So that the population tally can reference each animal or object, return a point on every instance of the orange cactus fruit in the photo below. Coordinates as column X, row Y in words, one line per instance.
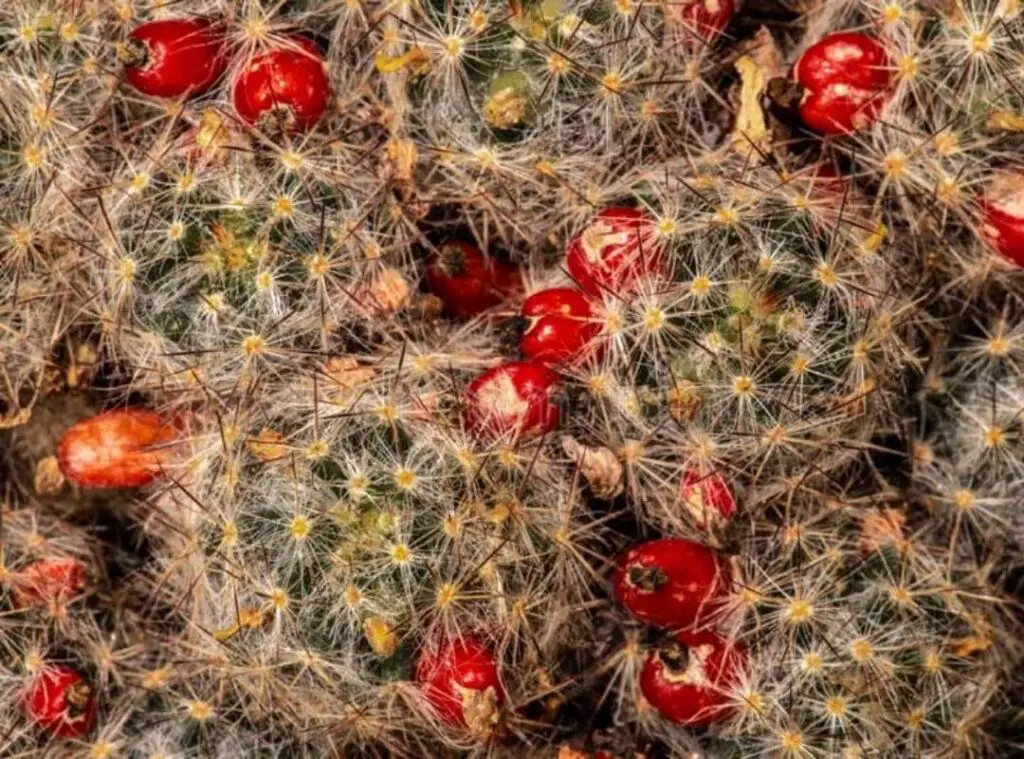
column 122, row 448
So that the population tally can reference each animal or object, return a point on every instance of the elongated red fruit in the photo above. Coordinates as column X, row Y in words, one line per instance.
column 514, row 398
column 561, row 323
column 616, row 250
column 284, row 88
column 672, row 582
column 60, row 701
column 123, row 448
column 175, row 57
column 689, row 680
column 461, row 682
column 845, row 77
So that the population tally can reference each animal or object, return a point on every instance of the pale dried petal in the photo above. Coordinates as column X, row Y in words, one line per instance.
column 381, row 636
column 751, row 136
column 48, row 480
column 600, row 467
column 344, row 375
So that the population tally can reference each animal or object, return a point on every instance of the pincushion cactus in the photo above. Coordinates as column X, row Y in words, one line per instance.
column 360, row 353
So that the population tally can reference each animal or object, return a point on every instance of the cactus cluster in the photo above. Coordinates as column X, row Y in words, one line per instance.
column 556, row 379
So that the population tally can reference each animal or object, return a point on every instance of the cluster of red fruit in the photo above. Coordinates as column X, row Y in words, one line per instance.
column 116, row 449
column 58, row 699
column 562, row 324
column 460, row 678
column 671, row 583
column 680, row 585
column 286, row 87
column 845, row 79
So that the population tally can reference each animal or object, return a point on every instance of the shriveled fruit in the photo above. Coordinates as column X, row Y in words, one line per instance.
column 671, row 582
column 1002, row 216
column 60, row 701
column 512, row 399
column 561, row 323
column 845, row 77
column 122, row 448
column 617, row 249
column 689, row 680
column 460, row 680
column 174, row 57
column 49, row 580
column 707, row 497
column 467, row 281
column 286, row 88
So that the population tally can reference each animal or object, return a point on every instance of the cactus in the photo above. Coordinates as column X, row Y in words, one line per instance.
column 356, row 355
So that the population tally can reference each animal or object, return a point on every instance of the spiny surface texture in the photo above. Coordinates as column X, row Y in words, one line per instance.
column 546, row 378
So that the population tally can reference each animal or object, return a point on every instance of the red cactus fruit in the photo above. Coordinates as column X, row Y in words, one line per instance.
column 514, row 398
column 707, row 496
column 845, row 77
column 284, row 88
column 617, row 249
column 1002, row 216
column 467, row 282
column 49, row 580
column 174, row 57
column 60, row 701
column 561, row 326
column 460, row 680
column 688, row 680
column 671, row 582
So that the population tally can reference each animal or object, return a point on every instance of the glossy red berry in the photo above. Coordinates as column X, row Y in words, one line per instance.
column 671, row 582
column 460, row 680
column 617, row 249
column 701, row 19
column 1002, row 217
column 561, row 325
column 845, row 78
column 284, row 88
column 467, row 281
column 689, row 680
column 49, row 580
column 175, row 57
column 123, row 448
column 707, row 497
column 512, row 399
column 60, row 701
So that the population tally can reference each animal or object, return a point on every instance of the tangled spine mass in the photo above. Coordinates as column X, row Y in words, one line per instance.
column 556, row 379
